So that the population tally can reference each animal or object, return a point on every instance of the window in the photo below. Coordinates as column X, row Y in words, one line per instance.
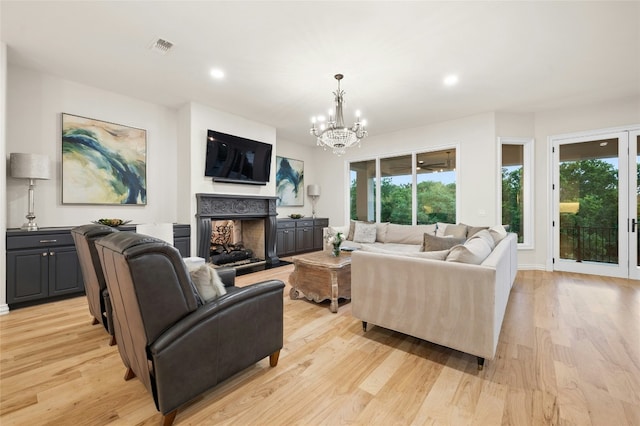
column 436, row 187
column 414, row 188
column 517, row 188
column 362, row 197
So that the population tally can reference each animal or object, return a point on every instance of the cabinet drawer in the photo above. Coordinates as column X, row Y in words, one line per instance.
column 41, row 240
column 181, row 231
column 321, row 222
column 283, row 224
column 304, row 223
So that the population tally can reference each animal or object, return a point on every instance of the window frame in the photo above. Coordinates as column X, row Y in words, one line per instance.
column 527, row 187
column 378, row 178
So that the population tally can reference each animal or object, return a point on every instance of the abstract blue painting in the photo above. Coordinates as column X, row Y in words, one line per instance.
column 289, row 182
column 102, row 162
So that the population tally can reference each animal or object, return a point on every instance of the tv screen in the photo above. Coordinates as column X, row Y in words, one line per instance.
column 237, row 160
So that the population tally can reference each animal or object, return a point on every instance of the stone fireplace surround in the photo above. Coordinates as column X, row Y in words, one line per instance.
column 236, row 207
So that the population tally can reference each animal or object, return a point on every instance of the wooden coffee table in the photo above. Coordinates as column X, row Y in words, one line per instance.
column 320, row 276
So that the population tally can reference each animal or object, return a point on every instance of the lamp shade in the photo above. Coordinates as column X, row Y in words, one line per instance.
column 29, row 166
column 313, row 190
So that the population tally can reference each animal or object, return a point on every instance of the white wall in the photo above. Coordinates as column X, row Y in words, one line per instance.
column 475, row 138
column 312, row 175
column 35, row 102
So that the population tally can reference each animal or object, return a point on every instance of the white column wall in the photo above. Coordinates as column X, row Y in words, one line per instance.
column 4, row 308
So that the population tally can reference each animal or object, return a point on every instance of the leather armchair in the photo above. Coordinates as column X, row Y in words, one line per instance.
column 95, row 286
column 177, row 346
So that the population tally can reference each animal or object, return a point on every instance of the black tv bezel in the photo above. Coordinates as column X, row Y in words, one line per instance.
column 239, row 139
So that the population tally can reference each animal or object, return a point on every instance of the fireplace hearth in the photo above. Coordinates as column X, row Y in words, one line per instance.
column 255, row 212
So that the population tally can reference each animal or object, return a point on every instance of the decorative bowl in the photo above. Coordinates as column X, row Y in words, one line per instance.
column 296, row 216
column 111, row 222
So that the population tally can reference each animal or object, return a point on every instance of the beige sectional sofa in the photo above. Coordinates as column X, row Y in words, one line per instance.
column 454, row 299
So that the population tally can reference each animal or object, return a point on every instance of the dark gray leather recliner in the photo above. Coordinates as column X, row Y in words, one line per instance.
column 95, row 286
column 177, row 346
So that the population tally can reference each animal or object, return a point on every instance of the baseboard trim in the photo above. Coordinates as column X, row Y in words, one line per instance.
column 531, row 267
column 4, row 309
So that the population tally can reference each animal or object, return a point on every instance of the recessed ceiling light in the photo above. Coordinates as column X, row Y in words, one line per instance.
column 450, row 80
column 217, row 73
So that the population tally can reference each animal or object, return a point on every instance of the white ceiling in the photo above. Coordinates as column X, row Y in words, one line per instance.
column 280, row 57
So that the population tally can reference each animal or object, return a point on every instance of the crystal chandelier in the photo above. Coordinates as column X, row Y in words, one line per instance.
column 333, row 134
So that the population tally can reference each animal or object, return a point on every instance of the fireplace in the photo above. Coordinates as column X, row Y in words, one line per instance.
column 256, row 213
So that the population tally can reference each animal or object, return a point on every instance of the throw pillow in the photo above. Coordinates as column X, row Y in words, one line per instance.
column 364, row 233
column 486, row 236
column 433, row 243
column 207, row 282
column 472, row 230
column 474, row 251
column 498, row 233
column 456, row 231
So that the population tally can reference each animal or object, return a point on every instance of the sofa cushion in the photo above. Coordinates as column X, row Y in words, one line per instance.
column 385, row 249
column 352, row 228
column 498, row 233
column 456, row 231
column 433, row 243
column 474, row 251
column 408, row 234
column 364, row 232
column 434, row 255
column 381, row 232
column 207, row 282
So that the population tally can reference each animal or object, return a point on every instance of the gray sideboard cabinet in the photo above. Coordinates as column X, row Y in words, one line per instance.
column 43, row 265
column 295, row 236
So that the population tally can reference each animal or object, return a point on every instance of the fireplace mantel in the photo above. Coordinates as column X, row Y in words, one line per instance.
column 219, row 207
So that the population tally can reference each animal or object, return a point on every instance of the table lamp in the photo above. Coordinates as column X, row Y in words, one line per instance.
column 313, row 191
column 32, row 167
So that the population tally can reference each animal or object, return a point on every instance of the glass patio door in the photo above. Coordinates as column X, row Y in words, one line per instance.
column 592, row 224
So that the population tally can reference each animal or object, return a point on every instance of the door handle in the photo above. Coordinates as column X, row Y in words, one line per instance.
column 633, row 225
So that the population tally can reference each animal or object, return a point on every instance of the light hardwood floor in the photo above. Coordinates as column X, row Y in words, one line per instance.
column 569, row 354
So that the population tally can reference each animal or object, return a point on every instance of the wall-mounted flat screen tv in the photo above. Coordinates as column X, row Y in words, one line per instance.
column 237, row 160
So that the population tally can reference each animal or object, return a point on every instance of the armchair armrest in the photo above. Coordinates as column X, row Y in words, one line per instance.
column 227, row 276
column 208, row 312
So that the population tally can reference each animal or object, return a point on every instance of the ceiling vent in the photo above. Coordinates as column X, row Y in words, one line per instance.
column 161, row 46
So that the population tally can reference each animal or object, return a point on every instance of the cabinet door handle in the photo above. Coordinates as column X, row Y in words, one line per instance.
column 52, row 253
column 48, row 241
column 44, row 254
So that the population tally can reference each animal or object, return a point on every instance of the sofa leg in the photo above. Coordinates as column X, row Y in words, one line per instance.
column 364, row 326
column 129, row 374
column 95, row 321
column 273, row 358
column 480, row 363
column 112, row 340
column 168, row 419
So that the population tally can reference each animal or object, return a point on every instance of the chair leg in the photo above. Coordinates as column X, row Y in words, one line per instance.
column 112, row 340
column 168, row 419
column 95, row 321
column 273, row 358
column 129, row 374
column 480, row 363
column 364, row 326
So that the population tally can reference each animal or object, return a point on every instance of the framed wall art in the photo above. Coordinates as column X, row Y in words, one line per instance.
column 289, row 182
column 103, row 162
